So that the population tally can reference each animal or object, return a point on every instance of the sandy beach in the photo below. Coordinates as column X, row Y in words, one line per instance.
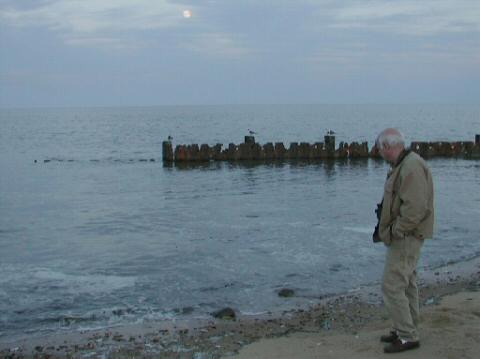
column 344, row 326
column 450, row 330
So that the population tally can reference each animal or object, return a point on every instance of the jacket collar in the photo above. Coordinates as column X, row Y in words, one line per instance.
column 401, row 157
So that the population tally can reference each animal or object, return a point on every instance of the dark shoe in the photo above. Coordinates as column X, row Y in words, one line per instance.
column 389, row 338
column 399, row 345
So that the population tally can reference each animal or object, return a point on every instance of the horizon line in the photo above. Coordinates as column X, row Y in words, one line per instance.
column 105, row 106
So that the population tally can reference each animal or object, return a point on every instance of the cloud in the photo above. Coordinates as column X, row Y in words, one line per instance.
column 426, row 17
column 126, row 24
column 102, row 22
column 236, row 29
column 110, row 42
column 217, row 45
column 358, row 58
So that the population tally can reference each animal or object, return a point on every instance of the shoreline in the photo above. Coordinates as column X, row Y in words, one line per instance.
column 341, row 315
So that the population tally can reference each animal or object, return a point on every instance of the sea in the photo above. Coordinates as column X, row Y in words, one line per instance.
column 96, row 231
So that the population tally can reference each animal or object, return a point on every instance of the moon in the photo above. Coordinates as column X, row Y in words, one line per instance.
column 187, row 14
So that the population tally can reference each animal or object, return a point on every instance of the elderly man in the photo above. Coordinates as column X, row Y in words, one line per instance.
column 406, row 219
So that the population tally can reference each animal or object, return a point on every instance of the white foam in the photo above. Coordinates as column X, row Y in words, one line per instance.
column 297, row 224
column 254, row 313
column 364, row 230
column 95, row 283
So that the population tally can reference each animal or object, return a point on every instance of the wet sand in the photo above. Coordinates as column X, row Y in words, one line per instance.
column 344, row 326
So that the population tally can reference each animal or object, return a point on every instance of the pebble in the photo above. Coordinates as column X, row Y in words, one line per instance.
column 225, row 313
column 430, row 301
column 118, row 338
column 286, row 293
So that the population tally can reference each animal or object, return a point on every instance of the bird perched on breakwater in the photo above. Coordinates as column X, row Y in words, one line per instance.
column 169, row 138
column 330, row 132
column 251, row 132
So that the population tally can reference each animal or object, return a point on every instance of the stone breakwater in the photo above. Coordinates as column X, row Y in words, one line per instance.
column 250, row 150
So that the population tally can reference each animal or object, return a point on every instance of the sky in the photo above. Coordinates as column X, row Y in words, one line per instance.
column 160, row 52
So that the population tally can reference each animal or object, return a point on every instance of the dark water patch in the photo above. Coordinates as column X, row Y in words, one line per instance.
column 216, row 288
column 291, row 275
column 123, row 311
column 114, row 227
column 301, row 276
column 337, row 267
column 12, row 230
column 69, row 320
column 184, row 310
column 455, row 230
column 97, row 160
column 443, row 263
column 207, row 304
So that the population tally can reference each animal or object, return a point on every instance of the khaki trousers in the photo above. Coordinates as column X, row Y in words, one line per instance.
column 399, row 286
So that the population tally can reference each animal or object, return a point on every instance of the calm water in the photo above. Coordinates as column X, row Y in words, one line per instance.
column 100, row 237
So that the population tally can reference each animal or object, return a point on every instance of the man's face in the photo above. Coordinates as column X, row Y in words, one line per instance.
column 385, row 152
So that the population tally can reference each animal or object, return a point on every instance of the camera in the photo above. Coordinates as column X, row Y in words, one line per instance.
column 378, row 212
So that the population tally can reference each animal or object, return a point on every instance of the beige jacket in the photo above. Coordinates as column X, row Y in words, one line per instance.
column 407, row 201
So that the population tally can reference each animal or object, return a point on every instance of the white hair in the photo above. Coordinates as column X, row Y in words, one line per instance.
column 390, row 137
